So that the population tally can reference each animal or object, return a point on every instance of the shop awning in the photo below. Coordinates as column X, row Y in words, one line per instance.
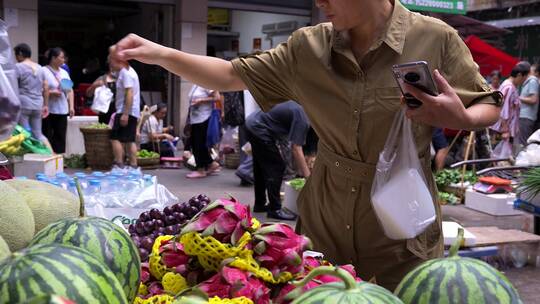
column 516, row 22
column 467, row 26
column 489, row 58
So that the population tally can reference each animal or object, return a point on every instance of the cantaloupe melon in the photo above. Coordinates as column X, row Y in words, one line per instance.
column 48, row 203
column 4, row 249
column 16, row 220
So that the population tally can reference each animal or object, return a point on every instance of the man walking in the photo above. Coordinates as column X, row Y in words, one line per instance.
column 128, row 111
column 529, row 106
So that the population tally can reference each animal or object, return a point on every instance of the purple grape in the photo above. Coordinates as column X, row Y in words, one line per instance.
column 160, row 223
column 149, row 226
column 184, row 207
column 136, row 240
column 147, row 243
column 154, row 236
column 177, row 228
column 167, row 210
column 131, row 229
column 193, row 211
column 143, row 253
column 170, row 220
column 161, row 230
column 194, row 202
column 145, row 216
column 156, row 214
column 181, row 217
column 169, row 230
column 139, row 227
column 137, row 221
column 176, row 208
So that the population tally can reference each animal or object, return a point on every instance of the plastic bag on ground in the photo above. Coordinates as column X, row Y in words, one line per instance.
column 228, row 143
column 400, row 196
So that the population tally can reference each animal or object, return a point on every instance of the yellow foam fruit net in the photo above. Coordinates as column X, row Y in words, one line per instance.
column 241, row 300
column 143, row 289
column 157, row 269
column 159, row 299
column 211, row 253
column 173, row 283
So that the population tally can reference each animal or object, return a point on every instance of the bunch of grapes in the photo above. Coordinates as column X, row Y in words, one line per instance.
column 169, row 221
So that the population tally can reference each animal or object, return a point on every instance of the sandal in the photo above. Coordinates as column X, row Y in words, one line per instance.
column 214, row 170
column 195, row 174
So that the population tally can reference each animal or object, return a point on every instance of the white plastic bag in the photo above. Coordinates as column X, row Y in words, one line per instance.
column 502, row 150
column 102, row 99
column 228, row 140
column 400, row 197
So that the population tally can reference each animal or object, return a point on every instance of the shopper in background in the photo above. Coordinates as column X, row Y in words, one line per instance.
column 495, row 80
column 154, row 137
column 529, row 106
column 201, row 105
column 109, row 80
column 508, row 123
column 440, row 145
column 128, row 100
column 33, row 92
column 60, row 101
column 284, row 122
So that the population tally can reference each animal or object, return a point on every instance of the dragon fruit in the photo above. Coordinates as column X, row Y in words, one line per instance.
column 225, row 220
column 172, row 254
column 231, row 283
column 278, row 248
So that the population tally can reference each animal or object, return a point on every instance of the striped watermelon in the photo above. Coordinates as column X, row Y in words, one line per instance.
column 58, row 269
column 105, row 240
column 49, row 299
column 348, row 292
column 456, row 280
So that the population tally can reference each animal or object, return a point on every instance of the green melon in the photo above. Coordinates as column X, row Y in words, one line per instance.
column 16, row 220
column 456, row 280
column 49, row 299
column 57, row 269
column 108, row 242
column 347, row 292
column 49, row 203
column 4, row 249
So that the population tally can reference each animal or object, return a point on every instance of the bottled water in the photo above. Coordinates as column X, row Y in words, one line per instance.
column 21, row 177
column 110, row 185
column 63, row 179
column 148, row 180
column 90, row 193
column 42, row 178
column 83, row 179
column 41, row 175
column 72, row 187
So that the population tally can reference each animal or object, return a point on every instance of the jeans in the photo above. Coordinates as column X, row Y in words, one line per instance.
column 31, row 119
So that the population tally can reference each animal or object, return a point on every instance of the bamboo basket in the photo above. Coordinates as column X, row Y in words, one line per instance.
column 97, row 143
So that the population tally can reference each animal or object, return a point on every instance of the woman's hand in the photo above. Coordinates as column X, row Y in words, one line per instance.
column 137, row 48
column 71, row 112
column 444, row 111
column 44, row 112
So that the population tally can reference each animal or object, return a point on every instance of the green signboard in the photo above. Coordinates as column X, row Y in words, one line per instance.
column 439, row 6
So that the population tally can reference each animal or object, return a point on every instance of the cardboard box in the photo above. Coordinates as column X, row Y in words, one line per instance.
column 494, row 204
column 450, row 232
column 37, row 163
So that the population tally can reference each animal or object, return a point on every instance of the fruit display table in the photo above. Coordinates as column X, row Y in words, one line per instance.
column 74, row 137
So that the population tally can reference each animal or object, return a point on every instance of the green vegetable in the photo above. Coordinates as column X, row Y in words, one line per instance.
column 97, row 126
column 448, row 198
column 147, row 154
column 453, row 176
column 530, row 186
column 297, row 183
column 75, row 161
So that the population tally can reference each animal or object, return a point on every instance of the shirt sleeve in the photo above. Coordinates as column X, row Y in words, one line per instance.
column 463, row 74
column 270, row 76
column 127, row 80
column 299, row 128
column 531, row 88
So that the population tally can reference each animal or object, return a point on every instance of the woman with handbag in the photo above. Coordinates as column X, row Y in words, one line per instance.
column 60, row 100
column 201, row 106
column 108, row 80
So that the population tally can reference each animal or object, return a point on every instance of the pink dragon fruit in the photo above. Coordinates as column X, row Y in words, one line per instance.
column 231, row 283
column 173, row 255
column 225, row 220
column 145, row 272
column 278, row 248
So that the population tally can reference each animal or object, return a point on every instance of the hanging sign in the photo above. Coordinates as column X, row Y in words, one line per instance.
column 439, row 6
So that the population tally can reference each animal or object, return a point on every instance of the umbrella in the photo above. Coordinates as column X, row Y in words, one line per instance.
column 489, row 58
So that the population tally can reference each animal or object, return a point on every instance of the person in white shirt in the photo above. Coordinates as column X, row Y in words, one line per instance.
column 60, row 100
column 128, row 100
column 154, row 137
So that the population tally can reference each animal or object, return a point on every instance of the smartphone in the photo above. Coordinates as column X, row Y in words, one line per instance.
column 416, row 74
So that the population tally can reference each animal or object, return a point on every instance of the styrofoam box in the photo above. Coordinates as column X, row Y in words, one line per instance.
column 494, row 204
column 290, row 197
column 450, row 232
column 37, row 163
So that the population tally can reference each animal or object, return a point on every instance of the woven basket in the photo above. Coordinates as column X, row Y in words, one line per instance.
column 97, row 143
column 148, row 162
